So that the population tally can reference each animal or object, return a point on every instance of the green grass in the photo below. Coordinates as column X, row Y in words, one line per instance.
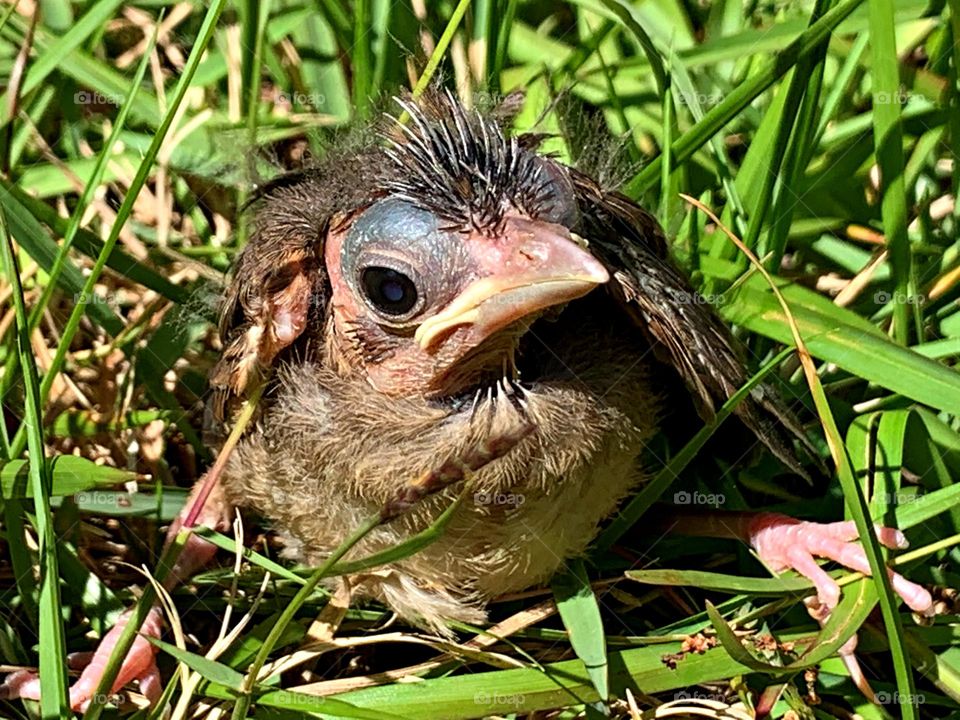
column 826, row 134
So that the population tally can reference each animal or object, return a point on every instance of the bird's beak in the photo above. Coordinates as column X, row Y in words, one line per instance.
column 529, row 267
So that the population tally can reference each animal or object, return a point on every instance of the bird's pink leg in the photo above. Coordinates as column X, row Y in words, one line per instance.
column 216, row 514
column 139, row 663
column 785, row 543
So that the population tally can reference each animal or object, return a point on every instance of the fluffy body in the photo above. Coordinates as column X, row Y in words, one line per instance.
column 331, row 451
column 358, row 408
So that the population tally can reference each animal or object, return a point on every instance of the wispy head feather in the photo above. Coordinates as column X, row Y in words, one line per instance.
column 460, row 165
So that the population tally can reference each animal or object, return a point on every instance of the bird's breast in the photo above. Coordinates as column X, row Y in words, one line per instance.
column 331, row 451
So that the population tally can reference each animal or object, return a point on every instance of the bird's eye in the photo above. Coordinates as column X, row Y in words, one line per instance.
column 389, row 291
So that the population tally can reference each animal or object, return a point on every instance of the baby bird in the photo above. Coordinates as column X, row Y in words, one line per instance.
column 446, row 303
column 437, row 293
column 428, row 296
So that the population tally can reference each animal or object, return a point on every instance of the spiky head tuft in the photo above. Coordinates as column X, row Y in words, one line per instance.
column 461, row 165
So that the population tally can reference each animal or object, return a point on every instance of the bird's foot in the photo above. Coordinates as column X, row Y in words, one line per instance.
column 140, row 664
column 785, row 543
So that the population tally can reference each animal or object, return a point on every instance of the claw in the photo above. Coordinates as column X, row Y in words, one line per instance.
column 846, row 651
column 140, row 664
column 140, row 661
column 20, row 684
column 785, row 543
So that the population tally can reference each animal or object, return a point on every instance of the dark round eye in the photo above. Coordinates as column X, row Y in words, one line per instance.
column 390, row 292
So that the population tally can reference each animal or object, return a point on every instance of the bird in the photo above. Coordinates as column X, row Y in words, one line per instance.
column 442, row 311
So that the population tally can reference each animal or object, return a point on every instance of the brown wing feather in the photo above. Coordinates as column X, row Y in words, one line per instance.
column 685, row 331
column 278, row 285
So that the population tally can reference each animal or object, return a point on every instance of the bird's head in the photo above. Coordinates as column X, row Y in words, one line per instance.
column 469, row 240
column 418, row 262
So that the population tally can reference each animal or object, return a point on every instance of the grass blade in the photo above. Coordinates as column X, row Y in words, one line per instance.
column 839, row 336
column 204, row 36
column 362, row 60
column 580, row 613
column 888, row 141
column 68, row 475
column 53, row 652
column 62, row 258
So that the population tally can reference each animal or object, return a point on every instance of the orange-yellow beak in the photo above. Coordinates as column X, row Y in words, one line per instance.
column 531, row 266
